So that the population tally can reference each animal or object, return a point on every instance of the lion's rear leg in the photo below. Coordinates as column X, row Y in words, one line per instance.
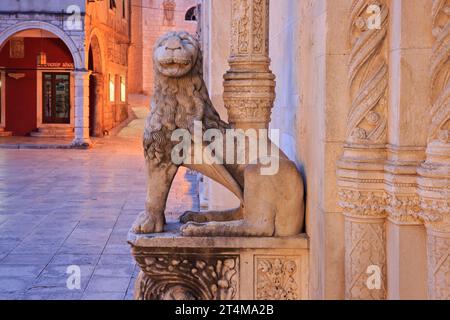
column 239, row 228
column 209, row 216
column 259, row 213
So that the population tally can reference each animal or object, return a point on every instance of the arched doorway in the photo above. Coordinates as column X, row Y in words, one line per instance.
column 37, row 66
column 96, row 89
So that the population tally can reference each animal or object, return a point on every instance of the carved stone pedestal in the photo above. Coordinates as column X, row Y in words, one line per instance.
column 210, row 268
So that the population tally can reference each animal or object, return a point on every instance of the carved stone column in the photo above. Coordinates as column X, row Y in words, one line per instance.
column 434, row 181
column 361, row 169
column 81, row 109
column 249, row 84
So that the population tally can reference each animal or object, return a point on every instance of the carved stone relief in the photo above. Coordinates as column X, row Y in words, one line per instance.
column 365, row 248
column 368, row 76
column 434, row 189
column 187, row 277
column 276, row 278
column 440, row 71
column 360, row 174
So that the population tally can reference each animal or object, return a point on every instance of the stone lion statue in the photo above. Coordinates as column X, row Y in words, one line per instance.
column 270, row 205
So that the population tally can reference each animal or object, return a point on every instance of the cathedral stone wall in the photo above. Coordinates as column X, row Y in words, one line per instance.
column 362, row 108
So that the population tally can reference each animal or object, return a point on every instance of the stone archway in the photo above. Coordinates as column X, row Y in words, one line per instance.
column 25, row 115
column 78, row 56
column 96, row 88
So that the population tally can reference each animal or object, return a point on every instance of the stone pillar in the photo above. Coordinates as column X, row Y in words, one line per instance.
column 215, row 39
column 409, row 79
column 81, row 109
column 361, row 169
column 99, row 102
column 249, row 90
column 434, row 174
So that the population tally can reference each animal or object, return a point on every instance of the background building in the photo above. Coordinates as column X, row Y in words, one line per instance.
column 63, row 67
column 150, row 20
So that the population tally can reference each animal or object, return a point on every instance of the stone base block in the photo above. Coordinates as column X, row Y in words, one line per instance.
column 54, row 132
column 174, row 267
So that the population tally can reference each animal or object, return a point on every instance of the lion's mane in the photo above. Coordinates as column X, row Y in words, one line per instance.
column 176, row 104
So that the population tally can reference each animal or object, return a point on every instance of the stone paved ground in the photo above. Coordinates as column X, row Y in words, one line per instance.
column 72, row 207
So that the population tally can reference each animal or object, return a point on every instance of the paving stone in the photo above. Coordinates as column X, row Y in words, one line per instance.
column 119, row 271
column 71, row 207
column 74, row 259
column 26, row 259
column 108, row 284
column 14, row 284
column 96, row 296
column 116, row 259
column 20, row 270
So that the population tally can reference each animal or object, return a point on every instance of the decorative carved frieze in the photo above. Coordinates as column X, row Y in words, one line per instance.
column 276, row 278
column 365, row 251
column 434, row 210
column 363, row 204
column 187, row 277
column 404, row 208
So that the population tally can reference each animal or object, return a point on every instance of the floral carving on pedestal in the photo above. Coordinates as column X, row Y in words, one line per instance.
column 187, row 277
column 276, row 279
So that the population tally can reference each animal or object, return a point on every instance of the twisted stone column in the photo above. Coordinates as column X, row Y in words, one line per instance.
column 434, row 181
column 249, row 84
column 361, row 169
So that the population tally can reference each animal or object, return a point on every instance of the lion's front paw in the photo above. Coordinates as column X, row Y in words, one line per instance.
column 147, row 224
column 191, row 216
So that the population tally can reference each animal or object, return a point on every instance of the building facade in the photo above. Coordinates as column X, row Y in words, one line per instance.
column 70, row 57
column 151, row 19
column 362, row 107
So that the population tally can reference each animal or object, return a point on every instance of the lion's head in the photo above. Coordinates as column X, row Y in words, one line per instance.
column 176, row 54
column 180, row 95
